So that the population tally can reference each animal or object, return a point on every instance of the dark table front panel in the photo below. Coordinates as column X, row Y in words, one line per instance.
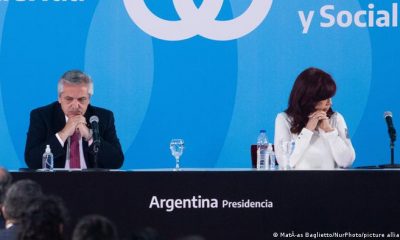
column 353, row 201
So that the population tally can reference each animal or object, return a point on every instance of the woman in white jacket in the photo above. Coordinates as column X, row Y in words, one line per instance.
column 320, row 135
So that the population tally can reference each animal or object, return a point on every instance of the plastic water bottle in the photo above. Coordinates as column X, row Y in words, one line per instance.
column 48, row 159
column 262, row 155
column 271, row 157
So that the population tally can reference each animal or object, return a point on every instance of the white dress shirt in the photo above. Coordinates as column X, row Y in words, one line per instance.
column 316, row 149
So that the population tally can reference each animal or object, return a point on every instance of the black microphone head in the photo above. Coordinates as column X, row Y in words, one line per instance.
column 388, row 117
column 94, row 118
column 387, row 114
column 392, row 131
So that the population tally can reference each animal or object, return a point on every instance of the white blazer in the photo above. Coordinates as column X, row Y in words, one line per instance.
column 315, row 149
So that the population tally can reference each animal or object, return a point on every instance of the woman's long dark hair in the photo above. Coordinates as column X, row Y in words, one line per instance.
column 311, row 86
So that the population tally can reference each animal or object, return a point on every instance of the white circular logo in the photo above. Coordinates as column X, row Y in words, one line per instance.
column 198, row 21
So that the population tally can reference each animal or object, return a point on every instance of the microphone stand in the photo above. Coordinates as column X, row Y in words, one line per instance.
column 392, row 164
column 95, row 150
column 94, row 121
column 95, row 162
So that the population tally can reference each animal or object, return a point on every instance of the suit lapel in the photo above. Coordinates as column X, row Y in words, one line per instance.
column 59, row 117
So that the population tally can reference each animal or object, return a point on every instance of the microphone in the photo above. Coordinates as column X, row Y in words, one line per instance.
column 94, row 122
column 389, row 121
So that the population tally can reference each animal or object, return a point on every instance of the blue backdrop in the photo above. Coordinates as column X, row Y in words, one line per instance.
column 215, row 94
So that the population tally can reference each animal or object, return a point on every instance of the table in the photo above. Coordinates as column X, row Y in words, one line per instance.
column 222, row 204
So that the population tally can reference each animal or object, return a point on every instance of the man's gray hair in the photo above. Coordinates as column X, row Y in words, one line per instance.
column 18, row 197
column 5, row 183
column 75, row 77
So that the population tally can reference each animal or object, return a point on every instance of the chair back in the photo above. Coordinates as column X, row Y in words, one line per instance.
column 253, row 154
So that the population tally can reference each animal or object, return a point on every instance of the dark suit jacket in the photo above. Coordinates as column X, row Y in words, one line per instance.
column 10, row 233
column 46, row 121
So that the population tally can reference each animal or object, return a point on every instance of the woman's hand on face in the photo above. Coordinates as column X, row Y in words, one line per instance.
column 316, row 118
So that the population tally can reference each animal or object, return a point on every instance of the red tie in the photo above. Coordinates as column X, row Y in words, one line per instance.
column 75, row 161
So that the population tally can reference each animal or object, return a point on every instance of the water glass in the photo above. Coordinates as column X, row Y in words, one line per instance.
column 287, row 148
column 177, row 146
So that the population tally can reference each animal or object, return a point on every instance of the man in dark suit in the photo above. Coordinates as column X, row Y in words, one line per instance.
column 65, row 125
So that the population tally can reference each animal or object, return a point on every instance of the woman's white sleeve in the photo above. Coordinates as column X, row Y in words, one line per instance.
column 302, row 142
column 340, row 144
